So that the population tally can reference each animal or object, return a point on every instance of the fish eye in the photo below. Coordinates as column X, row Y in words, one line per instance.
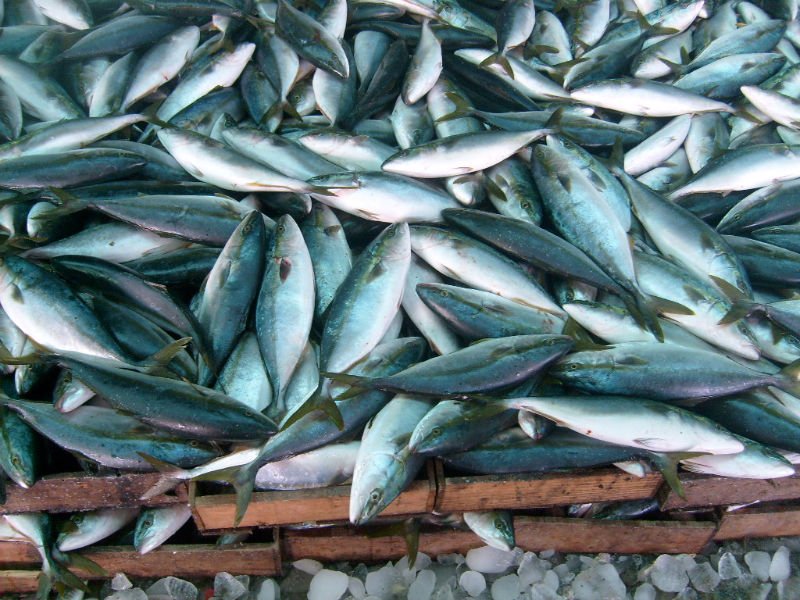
column 15, row 460
column 499, row 524
column 444, row 293
column 194, row 443
column 281, row 229
column 573, row 366
column 374, row 495
column 436, row 431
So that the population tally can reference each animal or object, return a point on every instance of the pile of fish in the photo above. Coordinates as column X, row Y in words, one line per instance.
column 291, row 245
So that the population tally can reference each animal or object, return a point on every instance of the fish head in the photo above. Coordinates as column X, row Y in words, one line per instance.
column 375, row 486
column 395, row 243
column 146, row 536
column 430, row 433
column 574, row 366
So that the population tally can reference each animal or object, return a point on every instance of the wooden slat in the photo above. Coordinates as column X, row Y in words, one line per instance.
column 18, row 553
column 342, row 543
column 589, row 536
column 532, row 533
column 704, row 490
column 19, row 582
column 303, row 506
column 528, row 491
column 70, row 493
column 759, row 522
column 187, row 560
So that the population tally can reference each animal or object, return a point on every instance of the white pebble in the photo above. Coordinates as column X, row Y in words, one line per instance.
column 132, row 594
column 646, row 591
column 551, row 580
column 758, row 562
column 380, row 582
column 490, row 560
column 472, row 582
column 547, row 553
column 506, row 588
column 728, row 567
column 120, row 582
column 356, row 588
column 668, row 573
column 172, row 588
column 564, row 574
column 328, row 585
column 532, row 569
column 704, row 578
column 780, row 568
column 423, row 585
column 308, row 565
column 228, row 587
column 599, row 581
column 268, row 590
column 540, row 591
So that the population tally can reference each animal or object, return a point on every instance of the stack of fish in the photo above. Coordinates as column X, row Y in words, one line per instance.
column 292, row 245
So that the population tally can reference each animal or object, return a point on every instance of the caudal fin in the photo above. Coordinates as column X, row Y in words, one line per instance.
column 498, row 59
column 170, row 476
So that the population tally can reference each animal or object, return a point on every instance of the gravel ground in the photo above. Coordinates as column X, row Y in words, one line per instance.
column 757, row 569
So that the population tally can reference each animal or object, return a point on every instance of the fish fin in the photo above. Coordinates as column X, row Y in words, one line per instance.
column 152, row 119
column 290, row 110
column 554, row 121
column 495, row 189
column 583, row 339
column 317, row 402
column 667, row 464
column 79, row 561
column 462, row 108
column 243, row 483
column 166, row 482
column 537, row 49
column 649, row 443
column 408, row 530
column 164, row 356
column 727, row 288
column 789, row 378
column 676, row 68
column 59, row 574
column 327, row 191
column 645, row 314
column 26, row 359
column 498, row 59
column 740, row 310
column 617, row 157
column 663, row 305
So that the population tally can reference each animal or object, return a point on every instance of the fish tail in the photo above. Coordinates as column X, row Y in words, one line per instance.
column 667, row 464
column 740, row 310
column 170, row 476
column 317, row 402
column 498, row 59
column 462, row 108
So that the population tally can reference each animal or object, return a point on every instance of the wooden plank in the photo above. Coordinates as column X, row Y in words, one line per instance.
column 78, row 492
column 18, row 553
column 626, row 537
column 19, row 582
column 524, row 491
column 341, row 543
column 532, row 533
column 187, row 560
column 705, row 490
column 759, row 522
column 322, row 505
